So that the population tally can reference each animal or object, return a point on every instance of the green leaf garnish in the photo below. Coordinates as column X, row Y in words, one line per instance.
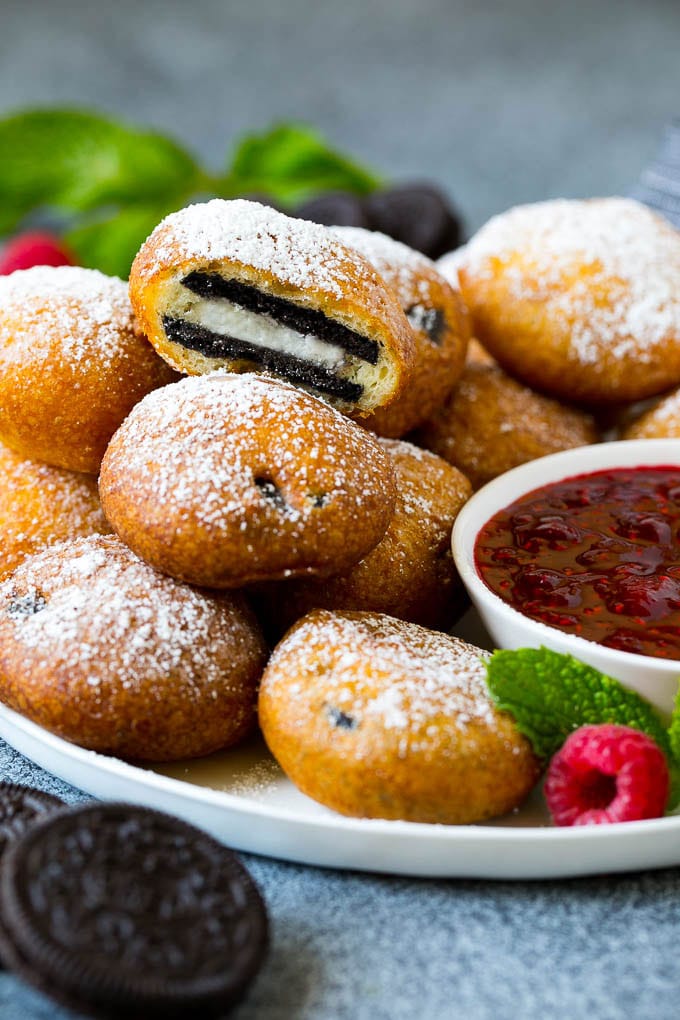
column 78, row 161
column 674, row 729
column 115, row 182
column 290, row 163
column 110, row 244
column 550, row 695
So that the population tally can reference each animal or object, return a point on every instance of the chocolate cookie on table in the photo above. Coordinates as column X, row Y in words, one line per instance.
column 20, row 808
column 104, row 651
column 73, row 363
column 379, row 718
column 410, row 574
column 578, row 299
column 237, row 285
column 439, row 320
column 41, row 505
column 116, row 910
column 224, row 480
column 491, row 422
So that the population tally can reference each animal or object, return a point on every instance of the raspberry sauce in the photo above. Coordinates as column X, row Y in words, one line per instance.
column 596, row 555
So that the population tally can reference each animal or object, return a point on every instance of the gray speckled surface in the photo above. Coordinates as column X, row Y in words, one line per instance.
column 500, row 102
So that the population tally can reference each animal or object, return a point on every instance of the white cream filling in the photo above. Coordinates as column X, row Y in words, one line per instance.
column 221, row 316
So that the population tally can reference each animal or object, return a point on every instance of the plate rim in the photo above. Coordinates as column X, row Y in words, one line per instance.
column 243, row 804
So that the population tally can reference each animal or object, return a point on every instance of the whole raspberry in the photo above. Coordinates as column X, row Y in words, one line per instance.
column 34, row 249
column 607, row 774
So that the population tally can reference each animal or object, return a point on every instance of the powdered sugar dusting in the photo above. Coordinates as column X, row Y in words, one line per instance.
column 41, row 505
column 197, row 446
column 260, row 780
column 87, row 313
column 296, row 252
column 104, row 614
column 379, row 670
column 449, row 264
column 625, row 304
column 430, row 494
column 405, row 270
column 662, row 420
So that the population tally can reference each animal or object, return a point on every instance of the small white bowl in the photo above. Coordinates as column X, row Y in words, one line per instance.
column 655, row 679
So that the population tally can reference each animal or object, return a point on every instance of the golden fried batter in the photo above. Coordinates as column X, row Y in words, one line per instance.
column 73, row 363
column 439, row 321
column 492, row 423
column 239, row 286
column 222, row 480
column 41, row 505
column 410, row 574
column 379, row 718
column 100, row 649
column 580, row 300
column 660, row 421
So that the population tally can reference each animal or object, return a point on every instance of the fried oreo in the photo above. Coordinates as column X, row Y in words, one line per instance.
column 73, row 363
column 41, row 505
column 225, row 480
column 116, row 910
column 491, row 423
column 378, row 718
column 579, row 300
column 439, row 321
column 239, row 286
column 410, row 574
column 100, row 649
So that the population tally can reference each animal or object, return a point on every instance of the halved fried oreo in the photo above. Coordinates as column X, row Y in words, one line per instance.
column 239, row 286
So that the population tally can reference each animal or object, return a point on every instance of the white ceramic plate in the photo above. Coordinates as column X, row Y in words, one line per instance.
column 242, row 797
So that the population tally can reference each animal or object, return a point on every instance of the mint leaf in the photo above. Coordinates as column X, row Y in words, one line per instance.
column 674, row 742
column 674, row 729
column 78, row 161
column 550, row 695
column 291, row 163
column 116, row 182
column 110, row 244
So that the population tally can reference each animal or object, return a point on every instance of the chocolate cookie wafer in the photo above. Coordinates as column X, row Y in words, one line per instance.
column 117, row 910
column 21, row 807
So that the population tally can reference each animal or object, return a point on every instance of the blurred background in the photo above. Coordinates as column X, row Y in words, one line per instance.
column 499, row 102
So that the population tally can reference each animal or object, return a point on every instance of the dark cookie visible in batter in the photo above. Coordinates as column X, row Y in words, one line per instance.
column 218, row 345
column 304, row 320
column 118, row 910
column 25, row 605
column 431, row 320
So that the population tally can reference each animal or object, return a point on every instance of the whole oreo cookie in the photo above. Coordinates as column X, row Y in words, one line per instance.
column 21, row 807
column 418, row 215
column 335, row 209
column 116, row 910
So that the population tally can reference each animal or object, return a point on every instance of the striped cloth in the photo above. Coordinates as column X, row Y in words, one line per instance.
column 659, row 185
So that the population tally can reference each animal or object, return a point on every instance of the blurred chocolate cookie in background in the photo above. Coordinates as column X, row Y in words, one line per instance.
column 418, row 215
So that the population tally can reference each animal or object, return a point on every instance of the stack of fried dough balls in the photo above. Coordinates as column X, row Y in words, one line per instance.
column 94, row 644
column 73, row 363
column 282, row 481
